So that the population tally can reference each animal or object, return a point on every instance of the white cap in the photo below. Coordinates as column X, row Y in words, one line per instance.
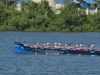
column 59, row 43
column 76, row 45
column 55, row 43
column 48, row 43
column 37, row 42
column 44, row 44
column 92, row 45
column 81, row 45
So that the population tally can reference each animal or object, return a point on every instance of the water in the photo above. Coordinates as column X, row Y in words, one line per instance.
column 41, row 64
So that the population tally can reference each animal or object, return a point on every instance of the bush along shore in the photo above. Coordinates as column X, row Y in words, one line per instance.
column 41, row 17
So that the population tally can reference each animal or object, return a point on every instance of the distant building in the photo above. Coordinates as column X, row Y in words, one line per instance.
column 56, row 4
column 85, row 4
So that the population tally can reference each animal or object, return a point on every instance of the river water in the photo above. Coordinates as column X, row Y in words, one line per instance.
column 41, row 64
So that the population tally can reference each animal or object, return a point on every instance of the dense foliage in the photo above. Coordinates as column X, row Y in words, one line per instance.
column 41, row 17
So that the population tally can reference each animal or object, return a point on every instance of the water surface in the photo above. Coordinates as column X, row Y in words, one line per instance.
column 41, row 64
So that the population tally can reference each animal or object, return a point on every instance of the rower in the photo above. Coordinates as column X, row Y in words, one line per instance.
column 34, row 45
column 48, row 46
column 59, row 46
column 44, row 46
column 65, row 47
column 76, row 47
column 93, row 47
column 37, row 45
column 69, row 47
column 81, row 47
column 89, row 47
column 55, row 46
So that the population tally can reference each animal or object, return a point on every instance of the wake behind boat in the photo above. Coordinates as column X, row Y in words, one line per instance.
column 56, row 49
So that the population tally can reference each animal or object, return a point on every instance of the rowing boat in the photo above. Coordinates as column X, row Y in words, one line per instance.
column 19, row 48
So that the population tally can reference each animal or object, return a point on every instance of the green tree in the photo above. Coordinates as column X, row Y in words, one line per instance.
column 72, row 17
column 3, row 13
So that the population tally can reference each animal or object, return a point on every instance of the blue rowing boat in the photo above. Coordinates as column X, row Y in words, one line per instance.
column 20, row 48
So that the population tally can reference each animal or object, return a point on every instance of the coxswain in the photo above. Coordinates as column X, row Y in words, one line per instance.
column 25, row 44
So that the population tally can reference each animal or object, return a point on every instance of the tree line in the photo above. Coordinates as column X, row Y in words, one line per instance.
column 41, row 17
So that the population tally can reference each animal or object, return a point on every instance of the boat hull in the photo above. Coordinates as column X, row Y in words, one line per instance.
column 21, row 49
column 18, row 48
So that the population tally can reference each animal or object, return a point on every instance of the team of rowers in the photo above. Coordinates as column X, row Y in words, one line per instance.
column 59, row 46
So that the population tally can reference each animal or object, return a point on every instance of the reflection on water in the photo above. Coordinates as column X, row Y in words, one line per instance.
column 38, row 64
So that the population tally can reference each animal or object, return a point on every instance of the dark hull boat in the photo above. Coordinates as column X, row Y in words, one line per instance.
column 19, row 48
